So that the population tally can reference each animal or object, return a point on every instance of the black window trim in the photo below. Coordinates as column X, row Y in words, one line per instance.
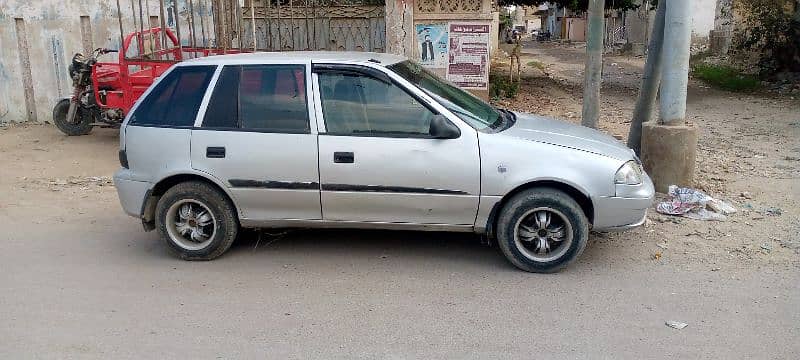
column 333, row 68
column 146, row 95
column 309, row 107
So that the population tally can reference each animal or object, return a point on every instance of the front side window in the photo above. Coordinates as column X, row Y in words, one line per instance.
column 175, row 100
column 466, row 106
column 270, row 98
column 359, row 104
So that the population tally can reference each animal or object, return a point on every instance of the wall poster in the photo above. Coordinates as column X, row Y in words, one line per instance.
column 468, row 60
column 432, row 45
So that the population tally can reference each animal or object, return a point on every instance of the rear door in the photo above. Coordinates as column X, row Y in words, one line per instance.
column 157, row 134
column 257, row 138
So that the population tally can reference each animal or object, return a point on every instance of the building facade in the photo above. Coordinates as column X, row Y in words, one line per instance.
column 38, row 38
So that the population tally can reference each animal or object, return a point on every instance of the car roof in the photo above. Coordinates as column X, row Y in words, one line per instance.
column 315, row 56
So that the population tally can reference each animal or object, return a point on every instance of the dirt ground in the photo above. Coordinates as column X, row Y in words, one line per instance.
column 748, row 155
column 80, row 279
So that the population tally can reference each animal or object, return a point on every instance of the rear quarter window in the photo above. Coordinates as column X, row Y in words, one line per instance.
column 175, row 99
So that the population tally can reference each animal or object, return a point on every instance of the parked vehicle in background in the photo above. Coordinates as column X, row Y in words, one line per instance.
column 543, row 36
column 364, row 140
column 104, row 92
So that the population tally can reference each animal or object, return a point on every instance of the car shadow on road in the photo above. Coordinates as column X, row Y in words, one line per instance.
column 411, row 247
column 379, row 248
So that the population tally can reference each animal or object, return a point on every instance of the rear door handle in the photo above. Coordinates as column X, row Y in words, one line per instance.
column 215, row 152
column 344, row 157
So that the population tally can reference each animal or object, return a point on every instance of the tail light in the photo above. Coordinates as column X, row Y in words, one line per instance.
column 123, row 159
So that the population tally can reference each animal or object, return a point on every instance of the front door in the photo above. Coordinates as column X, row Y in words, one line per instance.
column 256, row 137
column 378, row 162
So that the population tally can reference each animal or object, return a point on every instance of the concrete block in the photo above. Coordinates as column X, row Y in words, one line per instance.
column 669, row 153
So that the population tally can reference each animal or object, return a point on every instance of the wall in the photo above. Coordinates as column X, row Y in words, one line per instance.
column 399, row 26
column 703, row 13
column 638, row 24
column 440, row 14
column 33, row 65
column 39, row 38
column 575, row 29
column 533, row 24
column 50, row 32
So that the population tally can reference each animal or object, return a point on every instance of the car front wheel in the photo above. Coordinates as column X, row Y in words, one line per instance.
column 542, row 230
column 196, row 221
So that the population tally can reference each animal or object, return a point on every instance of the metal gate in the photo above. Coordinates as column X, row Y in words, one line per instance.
column 285, row 25
column 224, row 26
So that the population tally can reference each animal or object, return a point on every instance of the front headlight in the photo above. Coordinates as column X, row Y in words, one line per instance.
column 629, row 174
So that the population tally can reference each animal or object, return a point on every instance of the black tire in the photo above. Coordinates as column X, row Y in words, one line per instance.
column 225, row 220
column 520, row 206
column 84, row 121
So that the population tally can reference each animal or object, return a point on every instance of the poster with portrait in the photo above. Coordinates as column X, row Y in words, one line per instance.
column 432, row 45
column 468, row 60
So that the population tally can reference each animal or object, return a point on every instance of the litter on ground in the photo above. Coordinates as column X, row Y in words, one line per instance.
column 676, row 324
column 694, row 204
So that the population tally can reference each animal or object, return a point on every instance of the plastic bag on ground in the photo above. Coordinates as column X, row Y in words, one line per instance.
column 694, row 204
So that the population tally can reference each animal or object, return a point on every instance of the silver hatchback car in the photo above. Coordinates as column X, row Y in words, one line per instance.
column 364, row 140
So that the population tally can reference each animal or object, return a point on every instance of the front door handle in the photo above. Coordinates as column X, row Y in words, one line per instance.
column 215, row 152
column 344, row 157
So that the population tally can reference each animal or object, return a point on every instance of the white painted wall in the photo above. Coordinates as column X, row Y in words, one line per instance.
column 53, row 34
column 703, row 12
column 53, row 30
column 639, row 22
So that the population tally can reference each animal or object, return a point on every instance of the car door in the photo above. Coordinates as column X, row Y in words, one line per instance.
column 257, row 138
column 378, row 162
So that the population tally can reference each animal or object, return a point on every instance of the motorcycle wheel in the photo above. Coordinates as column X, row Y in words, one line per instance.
column 82, row 125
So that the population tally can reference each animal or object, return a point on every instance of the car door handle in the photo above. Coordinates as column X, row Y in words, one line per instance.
column 344, row 157
column 215, row 152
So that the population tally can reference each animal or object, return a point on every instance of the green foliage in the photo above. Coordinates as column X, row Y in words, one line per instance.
column 768, row 29
column 725, row 77
column 501, row 86
column 537, row 64
column 506, row 21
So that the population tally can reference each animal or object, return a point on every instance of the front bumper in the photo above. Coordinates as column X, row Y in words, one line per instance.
column 626, row 210
column 132, row 193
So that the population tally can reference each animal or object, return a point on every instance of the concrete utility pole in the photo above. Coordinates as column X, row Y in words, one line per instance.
column 594, row 63
column 650, row 82
column 669, row 146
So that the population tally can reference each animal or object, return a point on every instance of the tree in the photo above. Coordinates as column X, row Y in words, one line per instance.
column 770, row 29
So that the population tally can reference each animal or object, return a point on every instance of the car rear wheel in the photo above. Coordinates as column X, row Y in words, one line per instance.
column 196, row 221
column 542, row 230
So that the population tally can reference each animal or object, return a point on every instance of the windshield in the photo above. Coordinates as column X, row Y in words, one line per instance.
column 469, row 108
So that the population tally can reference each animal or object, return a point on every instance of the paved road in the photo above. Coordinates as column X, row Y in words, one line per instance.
column 78, row 279
column 94, row 285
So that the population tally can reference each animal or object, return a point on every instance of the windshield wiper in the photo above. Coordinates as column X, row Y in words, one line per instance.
column 504, row 120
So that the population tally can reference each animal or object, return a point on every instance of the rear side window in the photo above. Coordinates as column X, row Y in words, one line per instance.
column 269, row 98
column 175, row 100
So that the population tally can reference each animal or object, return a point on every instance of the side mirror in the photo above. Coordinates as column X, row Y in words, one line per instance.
column 441, row 128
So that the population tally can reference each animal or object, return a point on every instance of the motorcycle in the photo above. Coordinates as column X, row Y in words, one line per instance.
column 78, row 114
column 543, row 36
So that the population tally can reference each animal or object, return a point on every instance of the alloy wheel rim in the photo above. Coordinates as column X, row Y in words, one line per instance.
column 543, row 234
column 190, row 224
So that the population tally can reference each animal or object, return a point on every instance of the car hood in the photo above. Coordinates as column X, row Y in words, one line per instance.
column 561, row 133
